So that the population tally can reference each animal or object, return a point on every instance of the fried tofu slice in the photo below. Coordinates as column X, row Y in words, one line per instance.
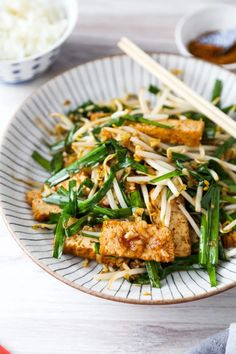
column 41, row 210
column 31, row 195
column 81, row 246
column 229, row 240
column 136, row 240
column 183, row 132
column 193, row 236
column 179, row 229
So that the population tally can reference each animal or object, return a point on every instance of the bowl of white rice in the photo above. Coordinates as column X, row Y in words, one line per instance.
column 31, row 35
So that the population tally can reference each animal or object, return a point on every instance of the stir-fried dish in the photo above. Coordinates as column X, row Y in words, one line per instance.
column 144, row 185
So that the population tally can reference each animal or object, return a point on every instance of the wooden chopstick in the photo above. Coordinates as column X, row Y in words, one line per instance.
column 179, row 87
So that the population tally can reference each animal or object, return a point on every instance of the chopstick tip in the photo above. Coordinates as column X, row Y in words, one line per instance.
column 123, row 40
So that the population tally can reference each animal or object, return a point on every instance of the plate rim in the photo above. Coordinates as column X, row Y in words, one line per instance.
column 211, row 292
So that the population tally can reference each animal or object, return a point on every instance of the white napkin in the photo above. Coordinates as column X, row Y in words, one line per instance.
column 231, row 342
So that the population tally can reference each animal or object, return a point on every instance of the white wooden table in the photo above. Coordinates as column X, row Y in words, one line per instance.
column 38, row 314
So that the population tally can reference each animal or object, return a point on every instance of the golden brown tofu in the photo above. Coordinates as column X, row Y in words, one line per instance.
column 31, row 195
column 193, row 236
column 41, row 210
column 187, row 132
column 81, row 246
column 179, row 228
column 136, row 240
column 229, row 240
column 180, row 232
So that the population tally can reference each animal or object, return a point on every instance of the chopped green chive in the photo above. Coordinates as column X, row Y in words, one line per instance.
column 90, row 159
column 60, row 235
column 225, row 146
column 166, row 176
column 42, row 161
column 153, row 89
column 152, row 269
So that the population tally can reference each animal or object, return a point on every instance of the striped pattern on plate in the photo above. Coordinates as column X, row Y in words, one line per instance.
column 97, row 80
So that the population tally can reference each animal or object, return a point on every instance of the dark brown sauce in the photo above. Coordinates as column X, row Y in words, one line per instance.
column 211, row 52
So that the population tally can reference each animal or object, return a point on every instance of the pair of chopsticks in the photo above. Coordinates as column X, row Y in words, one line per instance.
column 179, row 87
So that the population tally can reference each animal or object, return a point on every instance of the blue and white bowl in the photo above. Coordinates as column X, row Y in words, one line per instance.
column 20, row 70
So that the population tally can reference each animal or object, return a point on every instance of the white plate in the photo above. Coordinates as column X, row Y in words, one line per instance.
column 97, row 80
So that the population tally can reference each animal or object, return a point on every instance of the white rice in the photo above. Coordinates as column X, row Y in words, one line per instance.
column 29, row 27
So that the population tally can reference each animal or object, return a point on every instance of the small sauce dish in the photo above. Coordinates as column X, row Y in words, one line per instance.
column 203, row 21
